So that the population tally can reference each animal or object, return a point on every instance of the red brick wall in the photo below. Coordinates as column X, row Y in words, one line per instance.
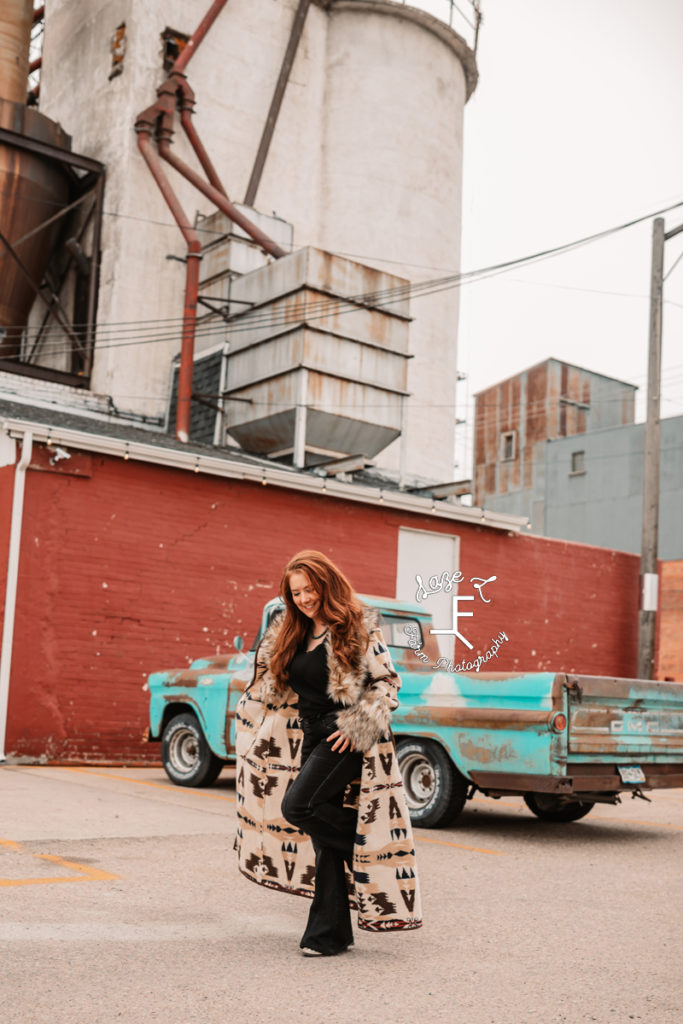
column 127, row 568
column 670, row 622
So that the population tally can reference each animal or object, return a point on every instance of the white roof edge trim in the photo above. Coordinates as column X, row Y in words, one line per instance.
column 192, row 462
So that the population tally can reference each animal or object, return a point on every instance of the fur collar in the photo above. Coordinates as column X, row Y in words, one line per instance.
column 344, row 686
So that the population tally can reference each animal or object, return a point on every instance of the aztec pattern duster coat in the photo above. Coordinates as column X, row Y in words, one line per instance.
column 384, row 888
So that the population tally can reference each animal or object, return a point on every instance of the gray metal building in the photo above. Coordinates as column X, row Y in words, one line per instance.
column 557, row 443
column 589, row 488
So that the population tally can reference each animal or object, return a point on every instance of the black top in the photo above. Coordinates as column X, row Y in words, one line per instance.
column 308, row 677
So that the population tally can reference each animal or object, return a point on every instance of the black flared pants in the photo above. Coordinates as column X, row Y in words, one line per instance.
column 313, row 804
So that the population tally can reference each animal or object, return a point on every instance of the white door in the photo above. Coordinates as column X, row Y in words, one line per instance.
column 423, row 553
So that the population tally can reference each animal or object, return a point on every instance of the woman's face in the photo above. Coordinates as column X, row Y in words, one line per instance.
column 304, row 594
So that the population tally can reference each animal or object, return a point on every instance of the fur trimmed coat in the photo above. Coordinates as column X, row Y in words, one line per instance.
column 384, row 886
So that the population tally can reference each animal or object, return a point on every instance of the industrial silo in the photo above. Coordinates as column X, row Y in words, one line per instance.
column 397, row 80
column 364, row 161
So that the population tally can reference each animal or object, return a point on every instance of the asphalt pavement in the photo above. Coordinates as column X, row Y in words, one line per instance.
column 121, row 902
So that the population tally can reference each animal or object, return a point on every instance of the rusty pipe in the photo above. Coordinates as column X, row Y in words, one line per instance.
column 184, row 403
column 202, row 155
column 205, row 24
column 160, row 117
column 220, row 200
column 185, row 372
column 151, row 159
column 178, row 86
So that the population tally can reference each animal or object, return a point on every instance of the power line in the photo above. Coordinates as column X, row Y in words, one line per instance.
column 378, row 298
column 594, row 291
column 673, row 266
column 484, row 422
column 489, row 411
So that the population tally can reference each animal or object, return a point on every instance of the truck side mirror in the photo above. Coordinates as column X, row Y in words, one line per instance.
column 238, row 643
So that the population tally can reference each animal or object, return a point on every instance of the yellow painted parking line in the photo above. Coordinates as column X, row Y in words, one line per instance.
column 153, row 785
column 461, row 846
column 83, row 872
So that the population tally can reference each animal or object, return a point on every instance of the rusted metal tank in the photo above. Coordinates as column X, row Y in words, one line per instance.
column 33, row 187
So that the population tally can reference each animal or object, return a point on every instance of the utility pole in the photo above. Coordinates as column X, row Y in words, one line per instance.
column 647, row 618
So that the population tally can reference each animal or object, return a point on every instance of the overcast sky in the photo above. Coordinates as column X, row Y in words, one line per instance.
column 576, row 125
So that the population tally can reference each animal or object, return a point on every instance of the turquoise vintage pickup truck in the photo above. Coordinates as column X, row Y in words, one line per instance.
column 563, row 742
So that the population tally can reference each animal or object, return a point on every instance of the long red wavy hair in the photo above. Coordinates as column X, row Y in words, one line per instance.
column 339, row 608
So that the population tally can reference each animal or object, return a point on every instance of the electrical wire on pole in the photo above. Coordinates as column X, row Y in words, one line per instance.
column 649, row 578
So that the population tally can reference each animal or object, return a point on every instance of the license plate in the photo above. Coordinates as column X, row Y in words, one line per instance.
column 631, row 773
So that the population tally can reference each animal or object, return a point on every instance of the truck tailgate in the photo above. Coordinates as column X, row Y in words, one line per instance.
column 624, row 719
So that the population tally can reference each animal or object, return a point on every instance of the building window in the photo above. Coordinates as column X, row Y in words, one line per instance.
column 173, row 45
column 118, row 50
column 578, row 463
column 399, row 631
column 508, row 446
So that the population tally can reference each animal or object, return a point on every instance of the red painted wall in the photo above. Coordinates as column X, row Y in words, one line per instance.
column 670, row 621
column 127, row 568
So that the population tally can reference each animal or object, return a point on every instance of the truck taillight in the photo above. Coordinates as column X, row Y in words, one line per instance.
column 558, row 723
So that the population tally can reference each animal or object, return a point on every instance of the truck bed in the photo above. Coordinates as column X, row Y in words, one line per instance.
column 619, row 733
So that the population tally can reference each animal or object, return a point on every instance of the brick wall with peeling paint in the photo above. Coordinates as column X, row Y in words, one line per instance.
column 127, row 568
column 670, row 623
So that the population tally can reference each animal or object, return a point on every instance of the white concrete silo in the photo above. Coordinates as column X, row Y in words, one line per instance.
column 397, row 81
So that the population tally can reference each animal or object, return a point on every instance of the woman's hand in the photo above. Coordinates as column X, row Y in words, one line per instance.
column 341, row 741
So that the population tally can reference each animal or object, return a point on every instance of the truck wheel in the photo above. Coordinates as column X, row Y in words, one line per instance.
column 434, row 788
column 550, row 808
column 186, row 756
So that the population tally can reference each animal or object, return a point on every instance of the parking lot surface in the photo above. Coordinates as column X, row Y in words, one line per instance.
column 121, row 901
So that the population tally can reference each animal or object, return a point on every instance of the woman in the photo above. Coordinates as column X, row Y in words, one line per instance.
column 314, row 719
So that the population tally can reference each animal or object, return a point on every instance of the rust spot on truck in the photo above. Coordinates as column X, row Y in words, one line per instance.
column 208, row 667
column 483, row 753
column 478, row 718
column 186, row 678
column 178, row 698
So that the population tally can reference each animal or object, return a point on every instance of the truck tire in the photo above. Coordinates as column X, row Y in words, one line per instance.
column 434, row 788
column 186, row 756
column 550, row 808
